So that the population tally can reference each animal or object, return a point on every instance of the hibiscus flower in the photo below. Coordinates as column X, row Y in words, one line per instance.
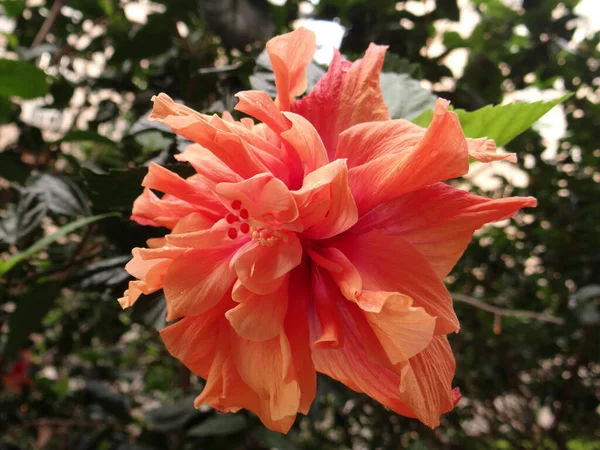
column 315, row 240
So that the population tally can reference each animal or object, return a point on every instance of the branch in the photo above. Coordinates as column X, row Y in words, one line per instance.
column 506, row 312
column 49, row 22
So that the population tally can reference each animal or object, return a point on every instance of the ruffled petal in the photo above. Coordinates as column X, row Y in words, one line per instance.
column 204, row 344
column 348, row 94
column 166, row 212
column 325, row 202
column 426, row 382
column 163, row 180
column 292, row 128
column 441, row 154
column 402, row 330
column 360, row 363
column 439, row 220
column 484, row 150
column 325, row 301
column 265, row 198
column 197, row 280
column 391, row 264
column 150, row 273
column 262, row 266
column 225, row 140
column 290, row 55
column 368, row 141
column 214, row 237
column 211, row 168
column 303, row 136
column 297, row 330
column 259, row 317
column 264, row 367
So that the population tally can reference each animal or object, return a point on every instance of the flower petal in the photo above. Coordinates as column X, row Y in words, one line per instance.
column 207, row 165
column 367, row 141
column 391, row 264
column 197, row 280
column 402, row 330
column 426, row 382
column 439, row 220
column 297, row 330
column 261, row 267
column 203, row 344
column 166, row 212
column 358, row 363
column 162, row 179
column 484, row 150
column 259, row 317
column 348, row 94
column 150, row 273
column 325, row 202
column 307, row 142
column 266, row 198
column 264, row 367
column 290, row 55
column 441, row 154
column 326, row 295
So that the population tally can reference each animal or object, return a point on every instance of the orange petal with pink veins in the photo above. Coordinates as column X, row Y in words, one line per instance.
column 391, row 264
column 360, row 363
column 290, row 55
column 368, row 141
column 439, row 220
column 441, row 154
column 347, row 95
column 402, row 330
column 325, row 293
column 426, row 382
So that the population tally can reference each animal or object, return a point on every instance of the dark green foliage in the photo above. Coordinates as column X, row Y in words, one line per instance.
column 101, row 378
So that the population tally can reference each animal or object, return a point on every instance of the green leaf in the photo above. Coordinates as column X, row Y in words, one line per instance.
column 5, row 266
column 21, row 79
column 5, row 111
column 220, row 425
column 11, row 166
column 14, row 8
column 150, row 310
column 115, row 190
column 61, row 195
column 404, row 96
column 31, row 307
column 502, row 123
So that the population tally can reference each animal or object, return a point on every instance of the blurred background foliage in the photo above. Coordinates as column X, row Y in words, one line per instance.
column 76, row 78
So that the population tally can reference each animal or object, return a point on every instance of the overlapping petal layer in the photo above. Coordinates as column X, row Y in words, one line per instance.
column 314, row 240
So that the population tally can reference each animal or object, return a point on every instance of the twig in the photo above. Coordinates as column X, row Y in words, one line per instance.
column 49, row 22
column 506, row 312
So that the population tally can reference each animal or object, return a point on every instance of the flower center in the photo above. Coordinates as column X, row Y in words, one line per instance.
column 268, row 238
column 238, row 221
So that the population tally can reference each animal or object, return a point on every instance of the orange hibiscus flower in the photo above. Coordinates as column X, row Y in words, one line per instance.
column 313, row 241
